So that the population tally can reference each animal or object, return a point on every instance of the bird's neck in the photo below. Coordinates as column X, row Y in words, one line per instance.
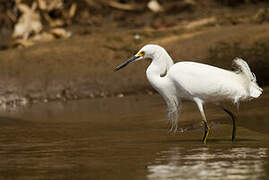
column 156, row 75
column 161, row 62
column 157, row 70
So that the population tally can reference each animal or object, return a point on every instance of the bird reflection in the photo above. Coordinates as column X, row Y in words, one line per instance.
column 207, row 163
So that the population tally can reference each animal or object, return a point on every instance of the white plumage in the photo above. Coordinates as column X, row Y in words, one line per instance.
column 196, row 82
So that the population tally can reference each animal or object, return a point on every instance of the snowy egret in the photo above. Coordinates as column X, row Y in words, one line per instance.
column 196, row 82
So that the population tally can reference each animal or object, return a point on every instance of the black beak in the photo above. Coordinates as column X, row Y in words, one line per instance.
column 126, row 63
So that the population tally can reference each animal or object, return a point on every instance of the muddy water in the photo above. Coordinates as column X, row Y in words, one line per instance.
column 127, row 138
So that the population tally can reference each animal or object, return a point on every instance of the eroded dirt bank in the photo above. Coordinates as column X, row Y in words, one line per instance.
column 82, row 66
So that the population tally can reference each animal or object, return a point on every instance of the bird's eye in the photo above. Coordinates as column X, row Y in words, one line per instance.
column 142, row 53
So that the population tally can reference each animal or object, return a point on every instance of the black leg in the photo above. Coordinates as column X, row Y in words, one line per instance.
column 201, row 109
column 233, row 118
column 206, row 132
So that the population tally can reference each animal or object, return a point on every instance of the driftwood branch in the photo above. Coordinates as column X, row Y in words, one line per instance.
column 120, row 6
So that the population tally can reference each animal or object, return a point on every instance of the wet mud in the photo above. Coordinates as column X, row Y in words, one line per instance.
column 82, row 66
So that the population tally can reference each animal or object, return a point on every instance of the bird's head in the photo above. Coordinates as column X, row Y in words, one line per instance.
column 148, row 51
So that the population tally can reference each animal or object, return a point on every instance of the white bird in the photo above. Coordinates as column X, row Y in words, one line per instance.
column 196, row 82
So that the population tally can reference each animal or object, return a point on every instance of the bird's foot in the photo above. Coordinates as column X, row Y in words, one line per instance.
column 206, row 134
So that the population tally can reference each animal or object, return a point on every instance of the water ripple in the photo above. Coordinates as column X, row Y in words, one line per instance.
column 205, row 164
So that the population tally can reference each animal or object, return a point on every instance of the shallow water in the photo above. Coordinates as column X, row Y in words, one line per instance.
column 120, row 138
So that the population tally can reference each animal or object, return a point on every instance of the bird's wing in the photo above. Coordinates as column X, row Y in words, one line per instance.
column 205, row 81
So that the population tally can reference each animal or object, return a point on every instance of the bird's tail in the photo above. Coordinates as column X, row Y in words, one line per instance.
column 243, row 68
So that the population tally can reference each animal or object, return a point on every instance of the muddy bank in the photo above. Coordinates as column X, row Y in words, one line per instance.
column 82, row 66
